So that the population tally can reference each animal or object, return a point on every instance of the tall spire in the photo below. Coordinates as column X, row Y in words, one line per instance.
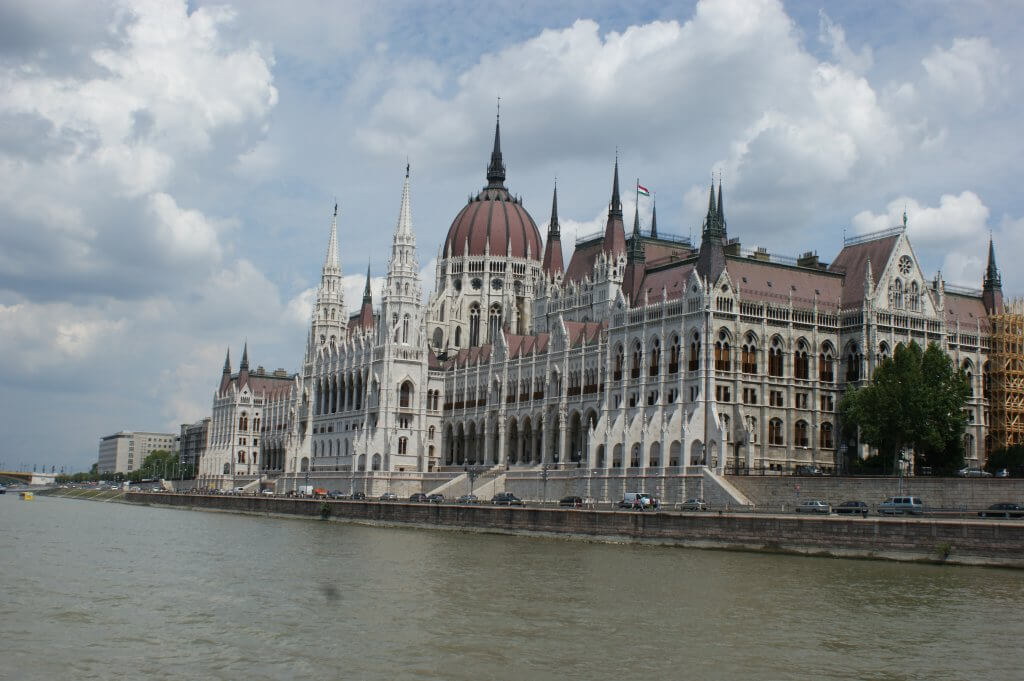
column 553, row 262
column 614, row 232
column 711, row 258
column 992, row 288
column 367, row 296
column 227, row 362
column 244, row 366
column 720, row 212
column 331, row 259
column 496, row 170
column 404, row 226
column 654, row 218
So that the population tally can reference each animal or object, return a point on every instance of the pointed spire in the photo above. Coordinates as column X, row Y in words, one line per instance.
column 711, row 201
column 553, row 225
column 636, row 219
column 869, row 280
column 614, row 232
column 227, row 362
column 244, row 366
column 496, row 170
column 404, row 227
column 720, row 212
column 367, row 296
column 553, row 261
column 992, row 277
column 654, row 218
column 616, row 204
column 331, row 260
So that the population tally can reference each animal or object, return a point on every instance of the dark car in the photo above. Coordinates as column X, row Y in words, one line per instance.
column 1003, row 510
column 337, row 494
column 808, row 470
column 468, row 499
column 506, row 499
column 389, row 496
column 418, row 497
column 436, row 498
column 850, row 507
column 358, row 496
column 571, row 502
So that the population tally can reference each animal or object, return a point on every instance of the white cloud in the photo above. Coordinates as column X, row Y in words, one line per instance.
column 185, row 233
column 968, row 73
column 833, row 35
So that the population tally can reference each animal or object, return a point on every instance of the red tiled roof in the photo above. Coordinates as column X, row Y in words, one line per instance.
column 581, row 264
column 774, row 283
column 494, row 215
column 968, row 310
column 853, row 260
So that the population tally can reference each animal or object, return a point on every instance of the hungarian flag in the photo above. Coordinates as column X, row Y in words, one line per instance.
column 642, row 190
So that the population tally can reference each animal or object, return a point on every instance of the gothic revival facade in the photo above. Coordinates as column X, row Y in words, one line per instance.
column 646, row 354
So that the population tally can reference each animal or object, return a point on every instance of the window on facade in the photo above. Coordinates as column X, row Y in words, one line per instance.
column 430, row 433
column 403, row 445
column 826, row 365
column 673, row 357
column 635, row 366
column 694, row 352
column 655, row 357
column 750, row 396
column 800, row 434
column 827, row 403
column 801, row 400
column 241, row 457
column 723, row 393
column 775, row 398
column 853, row 364
column 617, row 374
column 775, row 359
column 405, row 395
column 474, row 325
column 749, row 355
column 801, row 363
column 825, row 439
column 494, row 322
column 243, row 421
column 722, row 352
column 775, row 432
column 405, row 329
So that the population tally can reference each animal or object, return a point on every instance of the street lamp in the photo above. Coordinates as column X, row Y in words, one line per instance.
column 472, row 472
column 544, row 477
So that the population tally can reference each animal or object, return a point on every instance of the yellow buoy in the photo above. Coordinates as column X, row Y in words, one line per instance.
column 27, row 496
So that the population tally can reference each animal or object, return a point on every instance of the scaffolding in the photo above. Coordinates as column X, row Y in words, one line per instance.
column 1006, row 367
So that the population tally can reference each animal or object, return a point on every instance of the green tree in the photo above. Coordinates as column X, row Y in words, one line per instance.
column 1011, row 458
column 915, row 400
column 159, row 463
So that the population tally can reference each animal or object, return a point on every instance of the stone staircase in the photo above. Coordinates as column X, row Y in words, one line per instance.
column 720, row 492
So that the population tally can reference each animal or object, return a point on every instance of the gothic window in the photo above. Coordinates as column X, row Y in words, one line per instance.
column 825, row 439
column 430, row 433
column 968, row 376
column 458, row 336
column 394, row 325
column 905, row 265
column 440, row 313
column 723, row 356
column 883, row 351
column 826, row 364
column 438, row 338
column 775, row 432
column 673, row 357
column 914, row 298
column 775, row 358
column 241, row 457
column 494, row 325
column 617, row 374
column 896, row 294
column 748, row 359
column 243, row 421
column 405, row 329
column 403, row 445
column 405, row 395
column 474, row 326
column 694, row 352
column 635, row 368
column 655, row 357
column 800, row 434
column 801, row 361
column 853, row 363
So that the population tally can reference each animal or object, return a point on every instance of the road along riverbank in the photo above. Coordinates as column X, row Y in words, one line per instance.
column 954, row 541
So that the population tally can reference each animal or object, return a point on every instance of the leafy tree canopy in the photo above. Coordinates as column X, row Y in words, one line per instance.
column 915, row 400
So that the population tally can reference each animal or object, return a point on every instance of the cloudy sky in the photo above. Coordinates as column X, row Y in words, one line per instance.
column 168, row 168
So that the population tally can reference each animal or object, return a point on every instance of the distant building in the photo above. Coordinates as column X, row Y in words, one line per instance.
column 125, row 451
column 195, row 439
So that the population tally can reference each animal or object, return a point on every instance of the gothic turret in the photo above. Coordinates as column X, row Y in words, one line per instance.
column 635, row 266
column 614, row 232
column 496, row 169
column 553, row 262
column 654, row 219
column 225, row 378
column 711, row 260
column 992, row 287
column 402, row 300
column 365, row 319
column 330, row 320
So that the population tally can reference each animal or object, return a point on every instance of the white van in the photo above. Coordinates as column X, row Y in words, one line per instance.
column 635, row 500
column 901, row 506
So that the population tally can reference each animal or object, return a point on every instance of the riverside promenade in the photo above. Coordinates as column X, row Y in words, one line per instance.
column 936, row 540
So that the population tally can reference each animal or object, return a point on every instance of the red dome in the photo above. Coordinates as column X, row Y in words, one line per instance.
column 496, row 216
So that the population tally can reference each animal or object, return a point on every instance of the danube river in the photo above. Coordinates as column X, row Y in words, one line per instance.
column 96, row 590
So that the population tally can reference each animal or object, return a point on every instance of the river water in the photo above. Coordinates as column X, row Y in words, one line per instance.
column 96, row 590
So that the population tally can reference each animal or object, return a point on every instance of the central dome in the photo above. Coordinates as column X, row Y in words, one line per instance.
column 494, row 217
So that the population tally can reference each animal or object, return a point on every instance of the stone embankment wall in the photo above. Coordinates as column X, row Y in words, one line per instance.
column 771, row 492
column 957, row 541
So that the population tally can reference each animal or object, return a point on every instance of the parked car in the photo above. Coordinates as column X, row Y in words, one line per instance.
column 1003, row 510
column 1002, row 473
column 468, row 499
column 267, row 492
column 807, row 470
column 238, row 490
column 813, row 506
column 571, row 502
column 337, row 494
column 436, row 498
column 850, row 507
column 973, row 473
column 506, row 499
column 358, row 496
column 640, row 500
column 901, row 506
column 694, row 505
column 418, row 497
column 389, row 496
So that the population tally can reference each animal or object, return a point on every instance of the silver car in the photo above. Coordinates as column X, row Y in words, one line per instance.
column 694, row 505
column 813, row 506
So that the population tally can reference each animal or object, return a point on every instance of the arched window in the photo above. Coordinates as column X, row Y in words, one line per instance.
column 968, row 373
column 617, row 374
column 825, row 439
column 655, row 357
column 494, row 322
column 883, row 351
column 403, row 445
column 430, row 433
column 775, row 358
column 405, row 329
column 241, row 457
column 914, row 297
column 801, row 363
column 375, row 461
column 635, row 367
column 748, row 359
column 775, row 432
column 896, row 294
column 458, row 336
column 243, row 421
column 394, row 323
column 723, row 355
column 405, row 395
column 853, row 358
column 227, row 468
column 694, row 352
column 474, row 325
column 673, row 356
column 800, row 434
column 826, row 364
